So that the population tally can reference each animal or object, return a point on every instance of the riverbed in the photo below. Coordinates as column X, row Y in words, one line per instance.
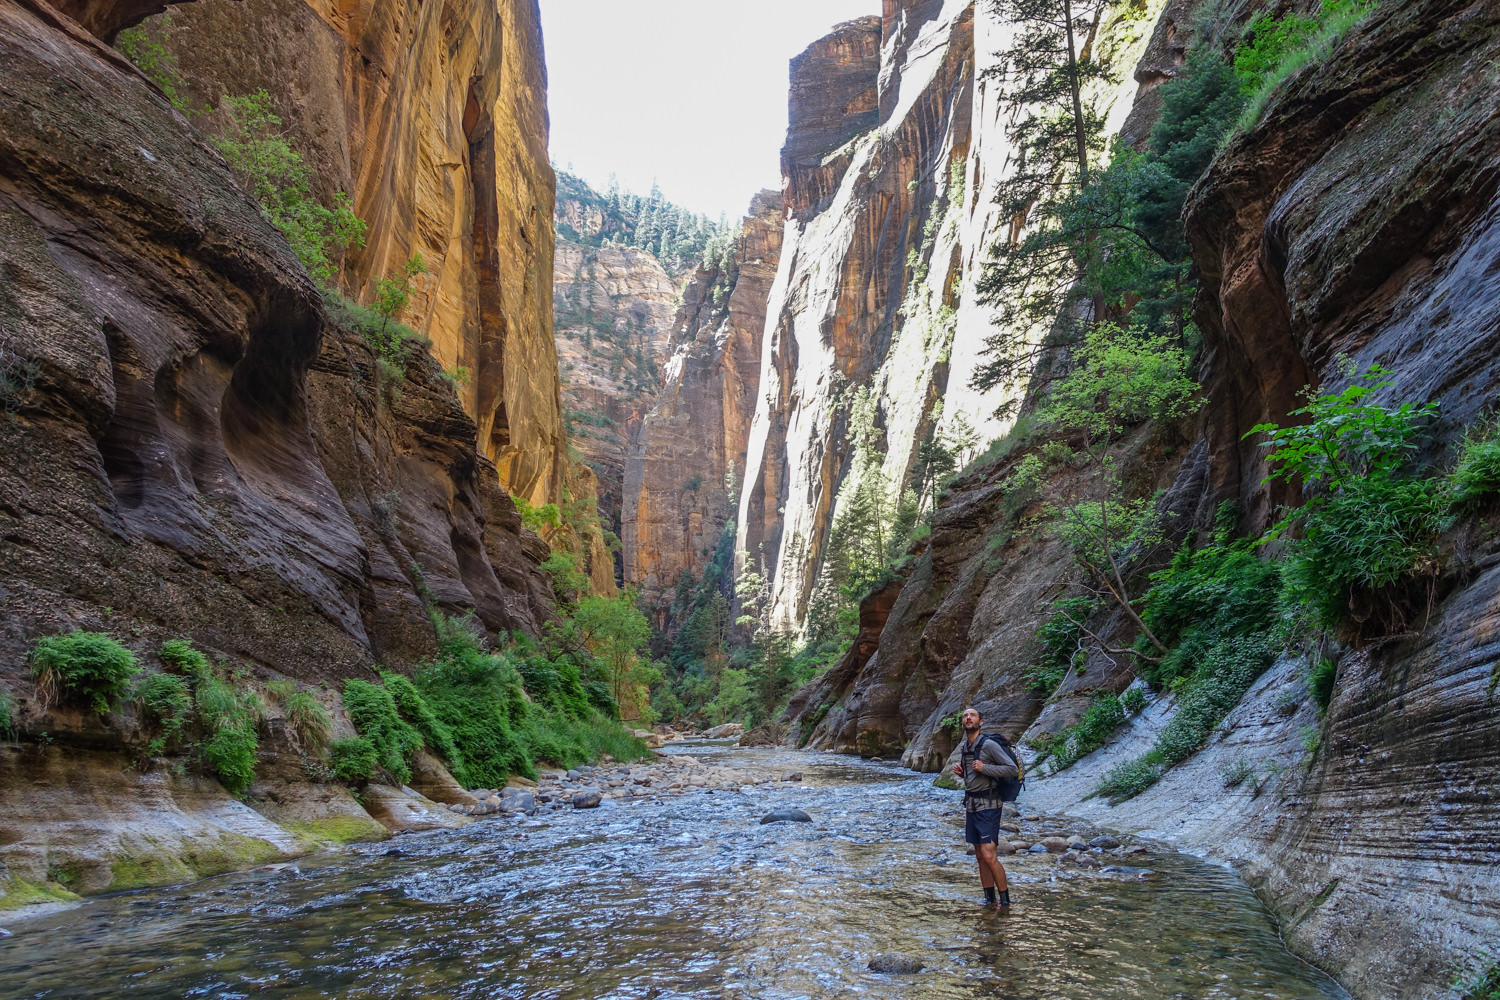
column 688, row 896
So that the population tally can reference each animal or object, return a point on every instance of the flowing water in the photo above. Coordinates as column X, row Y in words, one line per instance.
column 688, row 897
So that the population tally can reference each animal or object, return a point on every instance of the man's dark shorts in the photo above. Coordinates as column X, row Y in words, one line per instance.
column 983, row 826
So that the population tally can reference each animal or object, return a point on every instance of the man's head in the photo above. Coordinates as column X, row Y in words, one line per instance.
column 970, row 720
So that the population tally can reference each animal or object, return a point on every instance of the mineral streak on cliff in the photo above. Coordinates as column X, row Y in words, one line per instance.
column 433, row 118
column 678, row 469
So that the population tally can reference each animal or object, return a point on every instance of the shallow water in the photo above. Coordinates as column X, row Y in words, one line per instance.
column 688, row 897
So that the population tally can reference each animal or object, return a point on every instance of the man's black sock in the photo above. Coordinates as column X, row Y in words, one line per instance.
column 989, row 894
column 1004, row 897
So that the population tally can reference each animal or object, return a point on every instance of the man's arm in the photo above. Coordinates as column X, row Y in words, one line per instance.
column 997, row 764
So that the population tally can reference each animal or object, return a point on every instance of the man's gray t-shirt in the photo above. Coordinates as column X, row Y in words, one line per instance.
column 982, row 794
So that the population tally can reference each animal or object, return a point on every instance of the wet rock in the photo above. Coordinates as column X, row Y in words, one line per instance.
column 1076, row 841
column 1021, row 845
column 524, row 802
column 1037, row 849
column 1011, row 827
column 1137, row 849
column 1104, row 843
column 589, row 798
column 896, row 963
column 1004, row 847
column 794, row 776
column 786, row 816
column 1054, row 844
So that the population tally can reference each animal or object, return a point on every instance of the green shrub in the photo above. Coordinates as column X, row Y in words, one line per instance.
column 1375, row 532
column 1476, row 477
column 1481, row 984
column 232, row 754
column 1320, row 681
column 354, row 759
column 309, row 720
column 168, row 701
column 87, row 665
column 1276, row 48
column 1061, row 636
column 1226, row 673
column 1238, row 773
column 374, row 714
column 1133, row 700
column 435, row 733
column 179, row 654
column 255, row 147
column 7, row 716
column 230, row 715
column 1129, row 778
column 1068, row 746
column 146, row 45
column 1204, row 597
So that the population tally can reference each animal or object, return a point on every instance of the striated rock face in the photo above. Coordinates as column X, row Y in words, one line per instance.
column 433, row 119
column 678, row 468
column 197, row 450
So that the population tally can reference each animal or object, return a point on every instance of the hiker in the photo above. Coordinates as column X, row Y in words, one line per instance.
column 990, row 776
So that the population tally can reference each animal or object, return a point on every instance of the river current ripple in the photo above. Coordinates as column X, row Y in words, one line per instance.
column 689, row 897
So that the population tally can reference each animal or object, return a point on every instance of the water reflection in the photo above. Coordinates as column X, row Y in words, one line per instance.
column 689, row 897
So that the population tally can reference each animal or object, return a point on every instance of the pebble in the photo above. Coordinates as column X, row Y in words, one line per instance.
column 896, row 963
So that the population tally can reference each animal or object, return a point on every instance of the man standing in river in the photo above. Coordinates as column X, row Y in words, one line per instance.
column 982, row 765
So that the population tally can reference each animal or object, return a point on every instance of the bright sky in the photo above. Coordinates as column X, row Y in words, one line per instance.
column 691, row 93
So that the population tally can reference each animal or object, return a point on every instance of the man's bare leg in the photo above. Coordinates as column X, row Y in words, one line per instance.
column 992, row 873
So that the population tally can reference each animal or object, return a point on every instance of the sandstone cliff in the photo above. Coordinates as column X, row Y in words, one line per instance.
column 615, row 306
column 433, row 119
column 1344, row 223
column 688, row 454
column 194, row 447
column 894, row 151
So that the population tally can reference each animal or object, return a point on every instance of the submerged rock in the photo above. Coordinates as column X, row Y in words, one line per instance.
column 786, row 816
column 897, row 963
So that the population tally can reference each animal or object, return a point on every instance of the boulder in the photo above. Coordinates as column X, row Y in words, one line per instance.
column 786, row 816
column 727, row 731
column 1054, row 844
column 1104, row 843
column 589, row 798
column 401, row 810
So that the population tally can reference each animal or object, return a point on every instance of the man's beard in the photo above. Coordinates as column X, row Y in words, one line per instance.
column 971, row 729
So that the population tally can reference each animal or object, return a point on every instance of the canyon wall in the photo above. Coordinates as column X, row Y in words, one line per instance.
column 895, row 149
column 687, row 457
column 1357, row 218
column 615, row 307
column 195, row 445
column 432, row 118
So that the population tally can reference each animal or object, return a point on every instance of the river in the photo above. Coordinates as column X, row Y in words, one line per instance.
column 686, row 897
